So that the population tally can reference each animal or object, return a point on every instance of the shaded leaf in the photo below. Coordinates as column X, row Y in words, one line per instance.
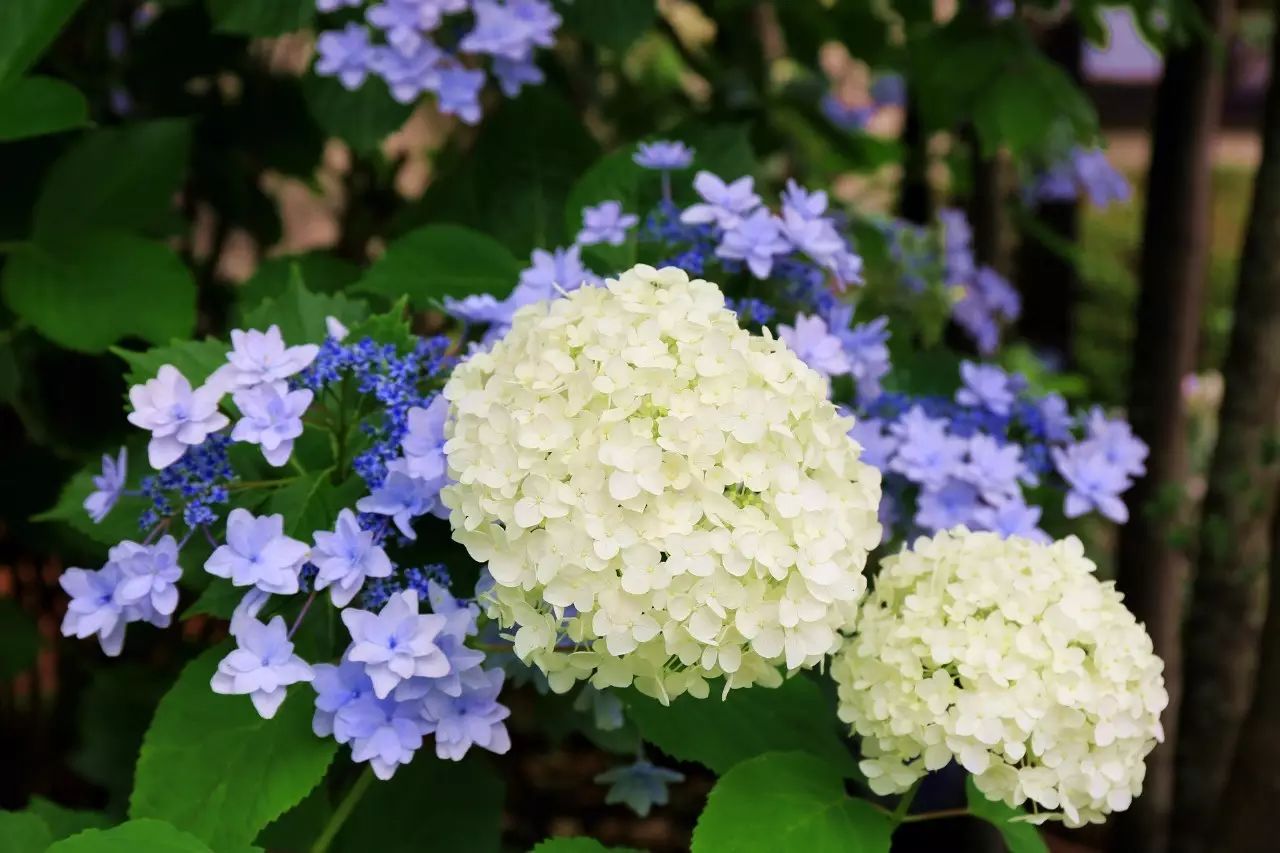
column 313, row 501
column 301, row 314
column 320, row 273
column 64, row 822
column 35, row 106
column 614, row 24
column 24, row 832
column 435, row 261
column 151, row 836
column 363, row 118
column 19, row 639
column 197, row 360
column 1019, row 836
column 256, row 18
column 26, row 28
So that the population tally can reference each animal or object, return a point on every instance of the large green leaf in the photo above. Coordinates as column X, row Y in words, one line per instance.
column 362, row 119
column 455, row 806
column 197, row 360
column 577, row 844
column 119, row 178
column 19, row 639
column 88, row 292
column 120, row 523
column 35, row 106
column 134, row 836
column 64, row 822
column 26, row 29
column 1019, row 835
column 723, row 733
column 258, row 18
column 24, row 832
column 114, row 714
column 788, row 801
column 313, row 501
column 614, row 24
column 301, row 314
column 211, row 766
column 435, row 261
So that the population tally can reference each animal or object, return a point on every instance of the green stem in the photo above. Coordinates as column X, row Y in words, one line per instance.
column 938, row 815
column 342, row 812
column 900, row 812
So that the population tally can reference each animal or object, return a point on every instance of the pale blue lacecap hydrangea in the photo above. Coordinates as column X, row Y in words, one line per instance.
column 723, row 204
column 271, row 417
column 384, row 732
column 867, row 348
column 423, row 443
column 756, row 239
column 950, row 504
column 262, row 665
column 810, row 339
column 403, row 498
column 257, row 553
column 396, row 643
column 107, row 486
column 1094, row 482
column 177, row 416
column 639, row 786
column 345, row 556
column 263, row 358
column 663, row 155
column 345, row 54
column 473, row 718
column 460, row 623
column 927, row 453
column 605, row 223
column 149, row 575
column 94, row 609
column 987, row 386
column 336, row 687
column 1084, row 170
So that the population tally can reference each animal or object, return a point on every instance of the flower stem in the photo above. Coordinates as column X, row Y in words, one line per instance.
column 904, row 805
column 343, row 811
column 306, row 605
column 938, row 815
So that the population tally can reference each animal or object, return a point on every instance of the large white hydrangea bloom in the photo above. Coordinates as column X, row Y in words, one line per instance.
column 661, row 496
column 1012, row 658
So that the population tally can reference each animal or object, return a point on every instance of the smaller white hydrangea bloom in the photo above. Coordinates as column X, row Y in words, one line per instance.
column 662, row 497
column 1011, row 658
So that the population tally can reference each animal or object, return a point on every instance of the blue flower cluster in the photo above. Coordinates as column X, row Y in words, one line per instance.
column 405, row 674
column 1082, row 171
column 418, row 46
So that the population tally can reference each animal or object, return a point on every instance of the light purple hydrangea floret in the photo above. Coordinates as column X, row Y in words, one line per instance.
column 866, row 345
column 560, row 270
column 512, row 29
column 345, row 556
column 257, row 553
column 927, row 453
column 996, row 470
column 259, row 358
column 177, row 416
column 149, row 575
column 1012, row 518
column 513, row 75
column 756, row 240
column 473, row 718
column 1094, row 482
column 107, row 486
column 346, row 54
column 336, row 687
column 271, row 417
column 878, row 443
column 723, row 204
column 663, row 155
column 605, row 223
column 403, row 498
column 944, row 507
column 810, row 339
column 262, row 665
column 397, row 643
column 458, row 92
column 94, row 609
column 639, row 786
column 985, row 386
column 384, row 732
column 423, row 443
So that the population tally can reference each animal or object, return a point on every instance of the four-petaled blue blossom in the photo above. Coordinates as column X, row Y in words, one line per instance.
column 345, row 557
column 262, row 665
column 927, row 453
column 985, row 385
column 258, row 554
column 878, row 444
column 605, row 223
column 815, row 345
column 382, row 731
column 663, row 155
column 176, row 416
column 1094, row 482
column 723, row 204
column 639, row 786
column 458, row 92
column 259, row 358
column 756, row 239
column 866, row 345
column 996, row 470
column 271, row 418
column 108, row 485
column 1012, row 518
column 473, row 718
column 345, row 54
column 423, row 443
column 1115, row 441
column 511, row 29
column 396, row 643
column 552, row 273
column 336, row 687
column 403, row 498
column 94, row 609
column 148, row 575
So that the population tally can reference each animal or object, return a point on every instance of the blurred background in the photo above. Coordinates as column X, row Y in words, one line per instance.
column 1129, row 301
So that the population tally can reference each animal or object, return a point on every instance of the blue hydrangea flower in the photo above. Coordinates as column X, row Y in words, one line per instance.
column 473, row 718
column 383, row 732
column 943, row 507
column 995, row 470
column 258, row 554
column 345, row 557
column 271, row 417
column 176, row 416
column 878, row 443
column 262, row 665
column 604, row 706
column 512, row 29
column 423, row 443
column 403, row 498
column 481, row 308
column 639, row 786
column 605, row 223
column 408, row 75
column 336, row 687
column 553, row 272
column 1055, row 419
column 663, row 155
column 986, row 386
column 258, row 358
column 1094, row 482
column 846, row 116
column 149, row 575
column 755, row 239
column 108, row 485
column 815, row 345
column 402, row 22
column 723, row 205
column 396, row 643
column 460, row 623
column 457, row 91
column 94, row 609
column 346, row 54
column 1012, row 518
column 513, row 75
column 867, row 347
column 1082, row 170
column 988, row 300
column 1116, row 443
column 927, row 454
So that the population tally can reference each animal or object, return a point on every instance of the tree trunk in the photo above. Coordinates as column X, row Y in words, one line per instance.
column 1254, row 785
column 1049, row 282
column 1153, row 566
column 986, row 208
column 915, row 201
column 1222, row 629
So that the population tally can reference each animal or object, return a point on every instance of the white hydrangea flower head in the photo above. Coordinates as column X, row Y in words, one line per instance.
column 661, row 496
column 1011, row 658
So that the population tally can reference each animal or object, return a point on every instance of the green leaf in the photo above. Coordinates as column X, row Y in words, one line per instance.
column 363, row 118
column 320, row 272
column 614, row 177
column 301, row 314
column 120, row 523
column 24, row 832
column 1019, row 835
column 389, row 327
column 19, row 639
column 114, row 714
column 64, row 822
column 218, row 599
column 436, row 261
column 134, row 836
column 788, row 801
column 454, row 806
column 313, row 501
column 210, row 765
column 197, row 360
column 36, row 106
column 579, row 844
column 723, row 733
column 614, row 24
column 258, row 18
column 27, row 27
column 93, row 290
column 118, row 178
